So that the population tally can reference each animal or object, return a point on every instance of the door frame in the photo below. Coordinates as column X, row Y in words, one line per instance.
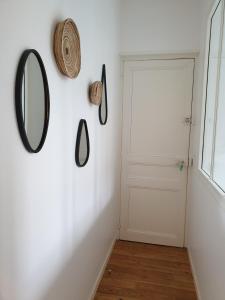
column 137, row 56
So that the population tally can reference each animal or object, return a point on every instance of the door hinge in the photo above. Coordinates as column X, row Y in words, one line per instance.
column 188, row 120
column 190, row 162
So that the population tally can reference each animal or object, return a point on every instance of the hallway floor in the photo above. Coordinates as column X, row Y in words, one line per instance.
column 147, row 272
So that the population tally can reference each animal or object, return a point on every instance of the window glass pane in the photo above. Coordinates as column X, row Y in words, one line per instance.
column 219, row 159
column 211, row 88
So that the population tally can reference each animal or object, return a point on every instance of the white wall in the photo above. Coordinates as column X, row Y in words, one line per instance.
column 57, row 221
column 206, row 211
column 160, row 26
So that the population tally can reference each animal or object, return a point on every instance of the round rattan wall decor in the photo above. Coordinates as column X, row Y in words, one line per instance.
column 67, row 48
column 95, row 92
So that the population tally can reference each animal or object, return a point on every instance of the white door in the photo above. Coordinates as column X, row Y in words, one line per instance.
column 156, row 128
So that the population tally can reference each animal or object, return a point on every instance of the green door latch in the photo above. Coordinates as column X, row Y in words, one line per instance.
column 181, row 165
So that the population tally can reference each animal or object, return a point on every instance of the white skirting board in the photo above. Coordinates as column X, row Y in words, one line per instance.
column 194, row 275
column 101, row 272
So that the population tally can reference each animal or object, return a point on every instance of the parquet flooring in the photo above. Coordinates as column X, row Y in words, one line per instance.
column 138, row 271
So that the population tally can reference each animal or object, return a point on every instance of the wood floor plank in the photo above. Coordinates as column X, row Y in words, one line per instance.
column 101, row 296
column 152, row 263
column 147, row 272
column 151, row 251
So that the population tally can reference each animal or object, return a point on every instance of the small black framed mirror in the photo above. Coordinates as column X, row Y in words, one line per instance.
column 32, row 100
column 82, row 149
column 103, row 108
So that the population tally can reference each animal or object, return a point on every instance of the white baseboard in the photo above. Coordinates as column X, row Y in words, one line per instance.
column 102, row 269
column 194, row 275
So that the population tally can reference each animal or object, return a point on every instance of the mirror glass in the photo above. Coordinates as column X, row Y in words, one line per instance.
column 103, row 105
column 32, row 100
column 33, row 95
column 103, row 108
column 82, row 144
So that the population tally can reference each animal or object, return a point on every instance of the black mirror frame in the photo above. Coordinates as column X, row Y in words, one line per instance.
column 18, row 100
column 103, row 80
column 77, row 149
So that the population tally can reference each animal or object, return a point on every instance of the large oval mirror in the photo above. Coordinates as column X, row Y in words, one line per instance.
column 32, row 100
column 103, row 108
column 82, row 144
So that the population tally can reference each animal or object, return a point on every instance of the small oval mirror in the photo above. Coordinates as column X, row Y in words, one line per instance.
column 32, row 100
column 103, row 108
column 82, row 144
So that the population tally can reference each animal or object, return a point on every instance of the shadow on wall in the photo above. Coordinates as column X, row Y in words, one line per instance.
column 69, row 283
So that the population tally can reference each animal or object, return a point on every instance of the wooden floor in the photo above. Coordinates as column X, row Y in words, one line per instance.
column 147, row 272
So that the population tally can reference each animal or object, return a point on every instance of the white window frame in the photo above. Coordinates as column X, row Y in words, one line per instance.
column 208, row 177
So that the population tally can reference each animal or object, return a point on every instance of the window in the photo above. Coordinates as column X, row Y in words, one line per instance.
column 213, row 151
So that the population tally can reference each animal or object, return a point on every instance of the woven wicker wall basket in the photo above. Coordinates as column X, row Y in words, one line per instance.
column 95, row 92
column 67, row 48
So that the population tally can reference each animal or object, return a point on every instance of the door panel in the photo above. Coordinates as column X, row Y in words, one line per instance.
column 144, row 220
column 157, row 101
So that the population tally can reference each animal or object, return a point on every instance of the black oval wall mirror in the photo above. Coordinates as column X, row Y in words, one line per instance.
column 82, row 144
column 103, row 108
column 32, row 100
